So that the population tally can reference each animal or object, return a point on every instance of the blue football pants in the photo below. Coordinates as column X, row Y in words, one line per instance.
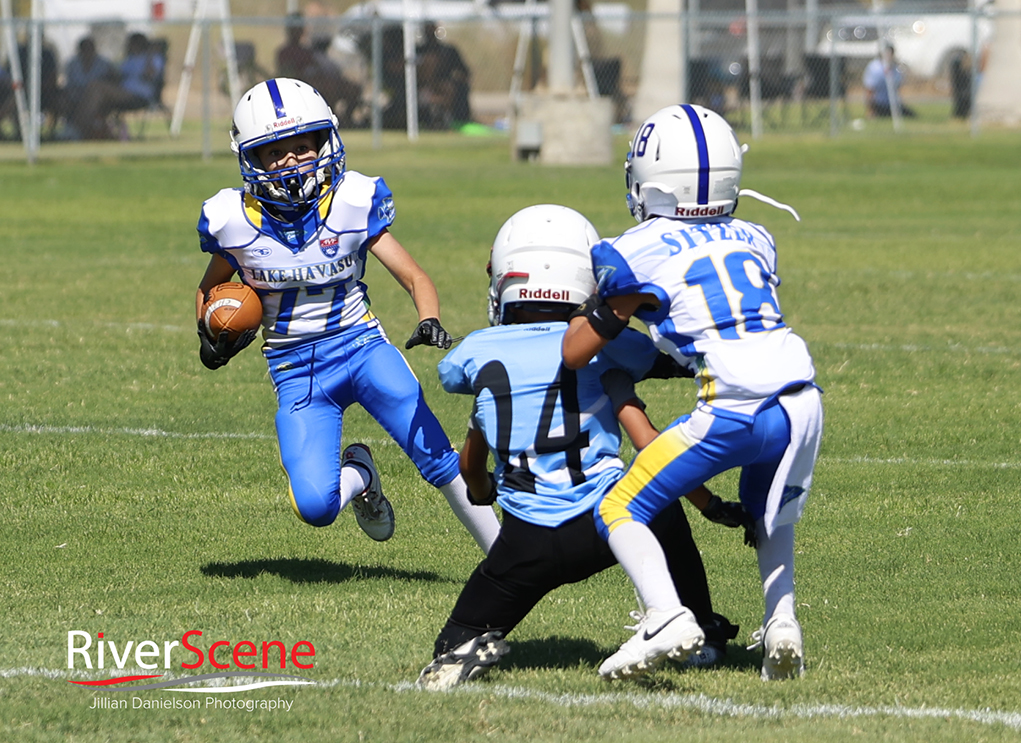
column 694, row 449
column 315, row 382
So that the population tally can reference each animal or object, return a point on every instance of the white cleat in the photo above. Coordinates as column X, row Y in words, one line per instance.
column 783, row 649
column 373, row 511
column 467, row 661
column 658, row 635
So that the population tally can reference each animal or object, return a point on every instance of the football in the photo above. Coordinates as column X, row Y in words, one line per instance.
column 233, row 307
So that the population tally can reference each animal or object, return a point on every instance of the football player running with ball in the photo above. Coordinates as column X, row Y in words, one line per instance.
column 299, row 233
column 705, row 285
column 554, row 437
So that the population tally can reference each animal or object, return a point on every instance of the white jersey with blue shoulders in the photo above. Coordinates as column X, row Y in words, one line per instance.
column 308, row 272
column 552, row 431
column 718, row 312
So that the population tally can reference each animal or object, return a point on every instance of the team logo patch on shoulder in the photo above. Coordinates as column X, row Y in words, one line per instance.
column 329, row 245
column 386, row 210
column 604, row 274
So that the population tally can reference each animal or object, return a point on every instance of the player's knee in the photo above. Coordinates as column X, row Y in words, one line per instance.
column 610, row 514
column 315, row 509
column 439, row 470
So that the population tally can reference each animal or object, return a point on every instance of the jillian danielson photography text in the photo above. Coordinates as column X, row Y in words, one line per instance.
column 208, row 703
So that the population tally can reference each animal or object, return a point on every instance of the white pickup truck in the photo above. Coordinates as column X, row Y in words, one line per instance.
column 925, row 41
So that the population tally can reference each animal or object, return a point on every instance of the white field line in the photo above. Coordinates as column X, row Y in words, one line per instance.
column 912, row 276
column 921, row 462
column 914, row 348
column 904, row 348
column 730, row 708
column 246, row 687
column 145, row 432
column 116, row 325
column 651, row 700
column 385, row 441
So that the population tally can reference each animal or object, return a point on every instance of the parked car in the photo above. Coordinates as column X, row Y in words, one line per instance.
column 612, row 17
column 926, row 42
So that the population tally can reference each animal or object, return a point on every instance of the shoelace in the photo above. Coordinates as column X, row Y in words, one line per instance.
column 639, row 617
column 363, row 497
column 757, row 637
column 369, row 510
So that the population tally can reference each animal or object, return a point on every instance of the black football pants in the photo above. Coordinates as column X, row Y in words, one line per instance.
column 527, row 561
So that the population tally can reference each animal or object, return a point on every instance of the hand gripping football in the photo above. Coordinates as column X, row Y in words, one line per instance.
column 233, row 307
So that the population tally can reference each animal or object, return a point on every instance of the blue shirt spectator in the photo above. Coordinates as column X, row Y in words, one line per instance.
column 877, row 90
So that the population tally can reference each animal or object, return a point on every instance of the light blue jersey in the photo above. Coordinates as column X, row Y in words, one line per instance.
column 552, row 431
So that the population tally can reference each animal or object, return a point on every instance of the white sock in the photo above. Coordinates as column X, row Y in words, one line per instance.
column 640, row 554
column 353, row 480
column 776, row 568
column 480, row 521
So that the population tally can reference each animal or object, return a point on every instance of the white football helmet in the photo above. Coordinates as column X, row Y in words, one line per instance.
column 279, row 108
column 685, row 161
column 541, row 257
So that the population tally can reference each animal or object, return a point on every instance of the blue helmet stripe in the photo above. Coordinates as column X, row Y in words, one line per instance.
column 703, row 154
column 278, row 102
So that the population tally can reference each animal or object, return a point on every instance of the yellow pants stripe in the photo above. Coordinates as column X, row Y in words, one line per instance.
column 290, row 494
column 652, row 460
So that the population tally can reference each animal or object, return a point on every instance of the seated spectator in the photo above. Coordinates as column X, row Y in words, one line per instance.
column 300, row 61
column 882, row 80
column 140, row 81
column 81, row 71
column 8, row 109
column 294, row 57
column 343, row 94
column 395, row 111
column 444, row 81
column 49, row 94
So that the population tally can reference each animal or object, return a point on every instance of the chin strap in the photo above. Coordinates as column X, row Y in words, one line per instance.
column 767, row 200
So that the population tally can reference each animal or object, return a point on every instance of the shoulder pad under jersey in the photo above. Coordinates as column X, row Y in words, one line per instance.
column 360, row 203
column 224, row 217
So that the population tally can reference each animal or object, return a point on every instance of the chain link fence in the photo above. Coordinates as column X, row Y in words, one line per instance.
column 805, row 72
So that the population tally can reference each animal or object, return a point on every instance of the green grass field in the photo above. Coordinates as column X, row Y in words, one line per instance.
column 142, row 495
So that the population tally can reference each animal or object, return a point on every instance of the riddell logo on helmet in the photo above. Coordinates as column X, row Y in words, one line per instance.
column 554, row 294
column 699, row 211
column 289, row 121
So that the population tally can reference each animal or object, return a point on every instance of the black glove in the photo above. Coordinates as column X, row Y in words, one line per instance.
column 667, row 367
column 490, row 498
column 214, row 355
column 431, row 333
column 733, row 515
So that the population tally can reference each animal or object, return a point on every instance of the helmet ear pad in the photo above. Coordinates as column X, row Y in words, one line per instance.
column 493, row 306
column 635, row 203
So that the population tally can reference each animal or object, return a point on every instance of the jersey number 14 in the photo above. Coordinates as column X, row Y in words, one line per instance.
column 564, row 389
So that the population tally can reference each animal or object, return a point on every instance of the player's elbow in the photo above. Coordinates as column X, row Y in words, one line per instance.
column 572, row 359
